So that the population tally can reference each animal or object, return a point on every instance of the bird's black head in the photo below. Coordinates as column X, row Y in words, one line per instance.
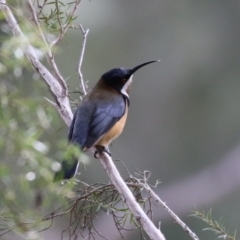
column 121, row 78
column 117, row 78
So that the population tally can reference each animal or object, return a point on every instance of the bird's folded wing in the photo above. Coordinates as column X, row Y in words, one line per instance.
column 95, row 118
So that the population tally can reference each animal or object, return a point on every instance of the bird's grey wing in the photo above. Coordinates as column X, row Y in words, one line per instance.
column 78, row 132
column 70, row 132
column 106, row 113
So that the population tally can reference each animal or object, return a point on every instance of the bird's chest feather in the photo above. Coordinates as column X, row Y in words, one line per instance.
column 115, row 131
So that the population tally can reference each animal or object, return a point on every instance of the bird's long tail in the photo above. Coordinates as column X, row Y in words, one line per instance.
column 70, row 163
column 67, row 171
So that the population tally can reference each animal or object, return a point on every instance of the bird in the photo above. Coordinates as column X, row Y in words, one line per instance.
column 101, row 116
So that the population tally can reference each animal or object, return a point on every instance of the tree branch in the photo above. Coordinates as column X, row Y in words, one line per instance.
column 65, row 28
column 82, row 84
column 55, row 88
column 128, row 197
column 50, row 55
column 171, row 213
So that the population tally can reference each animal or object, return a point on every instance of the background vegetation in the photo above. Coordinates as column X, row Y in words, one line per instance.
column 184, row 118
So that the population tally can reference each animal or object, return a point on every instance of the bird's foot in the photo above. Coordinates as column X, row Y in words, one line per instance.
column 100, row 149
column 95, row 154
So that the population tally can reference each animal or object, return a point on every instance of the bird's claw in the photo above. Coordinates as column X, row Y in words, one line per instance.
column 95, row 154
column 100, row 149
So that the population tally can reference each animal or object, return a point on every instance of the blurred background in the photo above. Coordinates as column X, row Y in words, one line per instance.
column 184, row 119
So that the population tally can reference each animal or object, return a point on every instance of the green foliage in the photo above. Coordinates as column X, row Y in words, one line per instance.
column 26, row 167
column 54, row 17
column 12, row 47
column 29, row 126
column 215, row 226
column 57, row 14
column 72, row 152
column 12, row 51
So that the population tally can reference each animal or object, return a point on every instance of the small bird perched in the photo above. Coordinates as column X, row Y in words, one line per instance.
column 101, row 116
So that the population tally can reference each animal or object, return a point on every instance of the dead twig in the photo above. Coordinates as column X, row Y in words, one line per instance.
column 82, row 84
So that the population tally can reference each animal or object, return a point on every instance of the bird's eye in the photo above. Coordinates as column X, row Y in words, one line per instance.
column 124, row 80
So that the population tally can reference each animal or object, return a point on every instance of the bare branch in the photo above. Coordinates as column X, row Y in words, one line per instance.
column 52, row 103
column 50, row 56
column 82, row 84
column 171, row 213
column 143, row 183
column 55, row 88
column 128, row 197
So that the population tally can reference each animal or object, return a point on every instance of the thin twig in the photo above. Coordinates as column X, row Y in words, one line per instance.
column 41, row 6
column 171, row 213
column 85, row 33
column 65, row 28
column 124, row 165
column 145, row 176
column 50, row 56
column 58, row 19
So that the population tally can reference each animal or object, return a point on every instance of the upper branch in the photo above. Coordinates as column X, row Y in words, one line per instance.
column 66, row 26
column 82, row 84
column 50, row 56
column 55, row 88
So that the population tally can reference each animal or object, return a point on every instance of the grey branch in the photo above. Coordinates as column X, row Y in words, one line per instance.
column 82, row 84
column 128, row 197
column 50, row 55
column 55, row 88
column 171, row 213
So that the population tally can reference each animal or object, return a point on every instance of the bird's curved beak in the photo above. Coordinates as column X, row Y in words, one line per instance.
column 133, row 70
